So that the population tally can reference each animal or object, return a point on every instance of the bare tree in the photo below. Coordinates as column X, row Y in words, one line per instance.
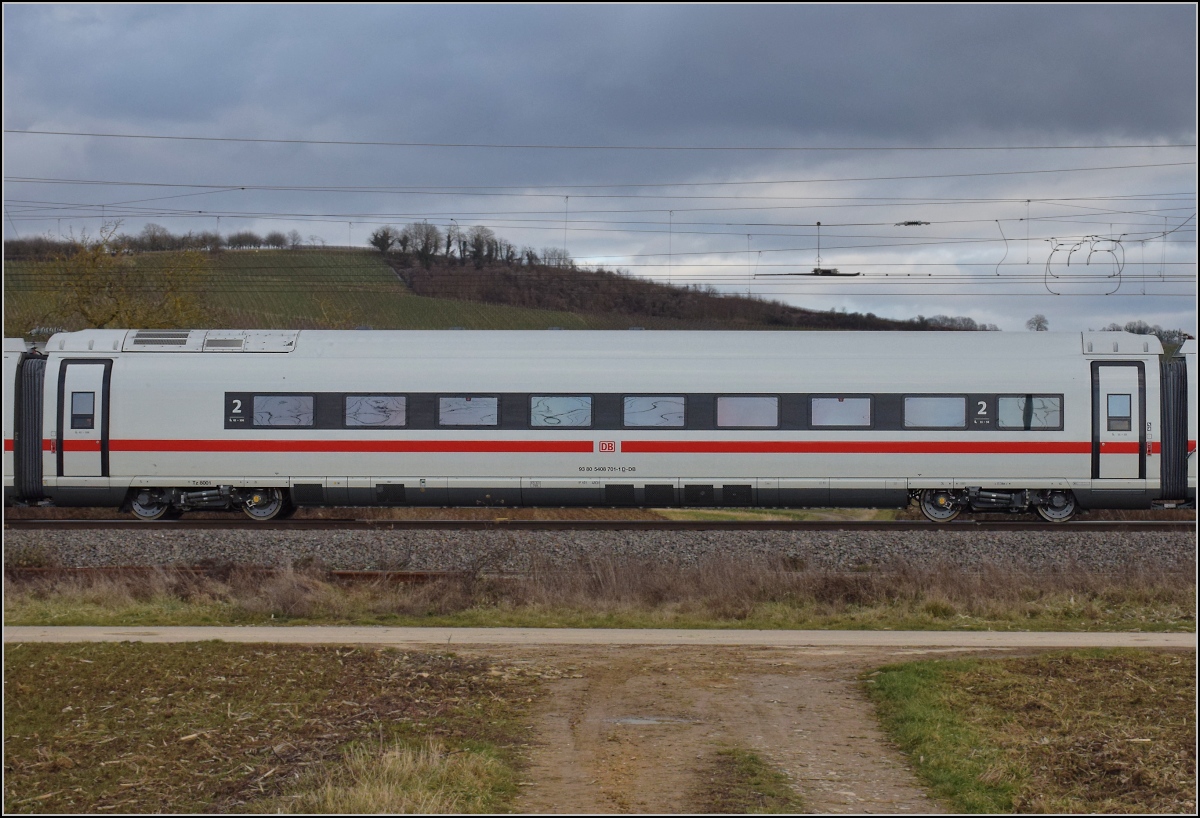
column 295, row 240
column 210, row 240
column 383, row 238
column 556, row 257
column 154, row 237
column 481, row 240
column 1039, row 323
column 506, row 251
column 1169, row 337
column 426, row 239
column 244, row 239
column 275, row 239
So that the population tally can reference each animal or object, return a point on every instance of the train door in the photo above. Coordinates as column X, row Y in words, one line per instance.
column 1118, row 420
column 83, row 418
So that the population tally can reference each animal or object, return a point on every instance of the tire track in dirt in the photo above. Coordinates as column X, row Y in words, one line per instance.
column 639, row 731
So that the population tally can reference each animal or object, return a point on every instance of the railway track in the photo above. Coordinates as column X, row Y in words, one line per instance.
column 501, row 523
column 23, row 573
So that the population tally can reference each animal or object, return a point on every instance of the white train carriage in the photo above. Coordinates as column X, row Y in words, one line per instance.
column 165, row 421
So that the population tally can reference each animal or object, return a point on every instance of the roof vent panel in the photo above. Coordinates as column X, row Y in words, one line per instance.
column 164, row 340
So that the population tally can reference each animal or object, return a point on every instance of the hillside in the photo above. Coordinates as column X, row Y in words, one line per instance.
column 602, row 292
column 338, row 289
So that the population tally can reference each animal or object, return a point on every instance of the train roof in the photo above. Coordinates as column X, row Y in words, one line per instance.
column 400, row 344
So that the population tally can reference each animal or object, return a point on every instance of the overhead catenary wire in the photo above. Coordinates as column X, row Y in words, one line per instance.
column 771, row 211
column 535, row 187
column 34, row 206
column 524, row 193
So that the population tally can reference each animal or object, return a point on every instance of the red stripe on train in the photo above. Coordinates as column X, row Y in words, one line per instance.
column 1121, row 448
column 77, row 446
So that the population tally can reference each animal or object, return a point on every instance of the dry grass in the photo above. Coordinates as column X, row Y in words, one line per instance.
column 212, row 727
column 427, row 779
column 1084, row 731
column 609, row 591
column 757, row 591
column 1114, row 733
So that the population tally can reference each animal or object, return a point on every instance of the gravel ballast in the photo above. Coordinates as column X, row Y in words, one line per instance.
column 518, row 551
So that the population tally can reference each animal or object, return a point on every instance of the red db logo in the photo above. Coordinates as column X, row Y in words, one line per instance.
column 608, row 445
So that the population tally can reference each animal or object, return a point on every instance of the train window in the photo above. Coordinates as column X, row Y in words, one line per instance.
column 468, row 411
column 1030, row 412
column 654, row 410
column 756, row 412
column 560, row 410
column 1120, row 418
column 376, row 410
column 83, row 410
column 283, row 410
column 841, row 411
column 935, row 413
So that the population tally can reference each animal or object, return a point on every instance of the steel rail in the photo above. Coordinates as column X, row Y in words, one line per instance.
column 27, row 573
column 502, row 524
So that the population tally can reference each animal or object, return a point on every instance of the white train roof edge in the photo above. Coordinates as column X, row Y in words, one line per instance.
column 598, row 343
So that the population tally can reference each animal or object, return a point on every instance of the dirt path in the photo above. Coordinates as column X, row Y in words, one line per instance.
column 637, row 729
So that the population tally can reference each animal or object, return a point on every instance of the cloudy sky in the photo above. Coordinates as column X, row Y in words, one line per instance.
column 1050, row 149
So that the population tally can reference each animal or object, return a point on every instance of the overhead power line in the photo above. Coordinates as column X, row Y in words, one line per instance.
column 426, row 191
column 399, row 189
column 522, row 146
column 40, row 210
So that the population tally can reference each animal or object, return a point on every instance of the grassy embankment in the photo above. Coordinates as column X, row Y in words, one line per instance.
column 293, row 290
column 325, row 289
column 606, row 591
column 1077, row 732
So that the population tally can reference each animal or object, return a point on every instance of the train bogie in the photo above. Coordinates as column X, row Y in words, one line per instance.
column 168, row 421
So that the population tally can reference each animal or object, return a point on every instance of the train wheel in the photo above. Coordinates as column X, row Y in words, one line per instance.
column 148, row 506
column 1058, row 508
column 266, row 504
column 939, row 505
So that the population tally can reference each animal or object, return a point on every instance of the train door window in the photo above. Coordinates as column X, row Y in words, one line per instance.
column 468, row 410
column 1120, row 413
column 560, row 410
column 376, row 410
column 949, row 412
column 748, row 412
column 841, row 411
column 654, row 410
column 1030, row 412
column 83, row 410
column 283, row 410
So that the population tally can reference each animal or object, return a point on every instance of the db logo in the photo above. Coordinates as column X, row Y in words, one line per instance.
column 608, row 445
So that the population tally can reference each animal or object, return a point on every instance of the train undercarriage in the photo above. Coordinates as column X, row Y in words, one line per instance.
column 263, row 504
